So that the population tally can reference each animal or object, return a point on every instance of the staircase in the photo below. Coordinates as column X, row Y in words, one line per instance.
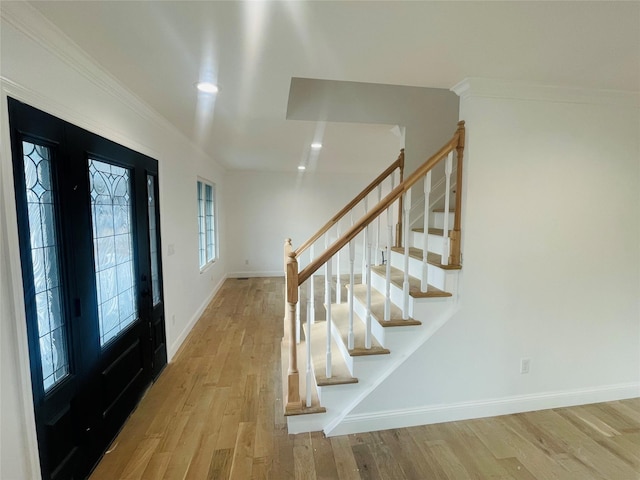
column 350, row 331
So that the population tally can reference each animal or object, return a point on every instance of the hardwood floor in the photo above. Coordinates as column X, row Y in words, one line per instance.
column 216, row 413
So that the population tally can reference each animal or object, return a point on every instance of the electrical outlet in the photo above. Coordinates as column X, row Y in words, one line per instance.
column 525, row 365
column 246, row 262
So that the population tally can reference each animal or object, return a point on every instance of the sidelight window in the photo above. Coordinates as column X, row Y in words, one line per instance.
column 45, row 264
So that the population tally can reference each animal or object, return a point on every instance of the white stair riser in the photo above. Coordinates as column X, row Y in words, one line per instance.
column 437, row 220
column 378, row 282
column 435, row 242
column 308, row 423
column 389, row 337
column 438, row 277
column 426, row 311
column 348, row 359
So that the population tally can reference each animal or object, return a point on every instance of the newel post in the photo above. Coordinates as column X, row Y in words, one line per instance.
column 292, row 402
column 454, row 235
column 399, row 224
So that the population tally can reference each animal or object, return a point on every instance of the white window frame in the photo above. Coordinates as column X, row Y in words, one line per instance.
column 205, row 256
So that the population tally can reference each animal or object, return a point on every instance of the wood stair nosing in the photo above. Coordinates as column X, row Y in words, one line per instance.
column 441, row 210
column 434, row 259
column 432, row 231
column 340, row 319
column 377, row 308
column 397, row 278
column 340, row 374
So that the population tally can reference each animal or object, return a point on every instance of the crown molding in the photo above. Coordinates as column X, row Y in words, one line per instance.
column 31, row 23
column 474, row 87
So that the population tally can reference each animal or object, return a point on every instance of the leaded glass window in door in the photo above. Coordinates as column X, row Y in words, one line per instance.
column 153, row 239
column 111, row 213
column 52, row 330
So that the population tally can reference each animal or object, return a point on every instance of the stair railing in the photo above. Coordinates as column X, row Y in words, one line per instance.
column 362, row 197
column 400, row 194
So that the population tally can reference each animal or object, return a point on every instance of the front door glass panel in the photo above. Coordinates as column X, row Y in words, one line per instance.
column 111, row 214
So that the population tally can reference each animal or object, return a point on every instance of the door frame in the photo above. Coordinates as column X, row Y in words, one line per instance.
column 10, row 244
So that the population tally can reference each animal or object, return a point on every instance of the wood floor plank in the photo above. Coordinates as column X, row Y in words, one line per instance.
column 449, row 461
column 367, row 466
column 346, row 465
column 582, row 446
column 242, row 461
column 408, row 454
column 515, row 469
column 303, row 457
column 156, row 467
column 215, row 412
column 140, row 458
column 220, row 464
column 387, row 464
column 324, row 461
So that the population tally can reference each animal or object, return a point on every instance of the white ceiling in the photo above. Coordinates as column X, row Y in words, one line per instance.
column 160, row 49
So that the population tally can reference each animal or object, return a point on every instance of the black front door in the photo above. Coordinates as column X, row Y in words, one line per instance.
column 89, row 241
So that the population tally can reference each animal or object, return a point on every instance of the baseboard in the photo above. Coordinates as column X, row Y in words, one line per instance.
column 175, row 346
column 252, row 274
column 384, row 420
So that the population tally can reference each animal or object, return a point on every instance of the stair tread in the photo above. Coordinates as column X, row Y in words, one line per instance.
column 377, row 308
column 397, row 278
column 432, row 231
column 441, row 210
column 432, row 258
column 340, row 318
column 340, row 373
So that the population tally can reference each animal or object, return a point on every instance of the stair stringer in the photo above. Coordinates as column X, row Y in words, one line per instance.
column 366, row 386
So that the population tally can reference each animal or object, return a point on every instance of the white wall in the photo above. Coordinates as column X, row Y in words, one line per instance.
column 267, row 207
column 551, row 256
column 43, row 69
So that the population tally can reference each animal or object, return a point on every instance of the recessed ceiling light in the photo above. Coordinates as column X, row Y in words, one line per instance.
column 316, row 146
column 207, row 87
column 301, row 167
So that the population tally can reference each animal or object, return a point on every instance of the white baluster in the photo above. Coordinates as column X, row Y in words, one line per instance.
column 387, row 300
column 298, row 326
column 338, row 284
column 405, row 284
column 312, row 294
column 425, row 236
column 364, row 244
column 367, row 335
column 352, row 258
column 445, row 230
column 377, row 251
column 327, row 307
column 309, row 372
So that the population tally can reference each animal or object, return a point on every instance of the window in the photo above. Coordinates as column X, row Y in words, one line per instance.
column 44, row 246
column 207, row 232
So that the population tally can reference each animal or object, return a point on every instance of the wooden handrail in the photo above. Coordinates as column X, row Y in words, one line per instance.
column 398, row 163
column 295, row 278
column 457, row 141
